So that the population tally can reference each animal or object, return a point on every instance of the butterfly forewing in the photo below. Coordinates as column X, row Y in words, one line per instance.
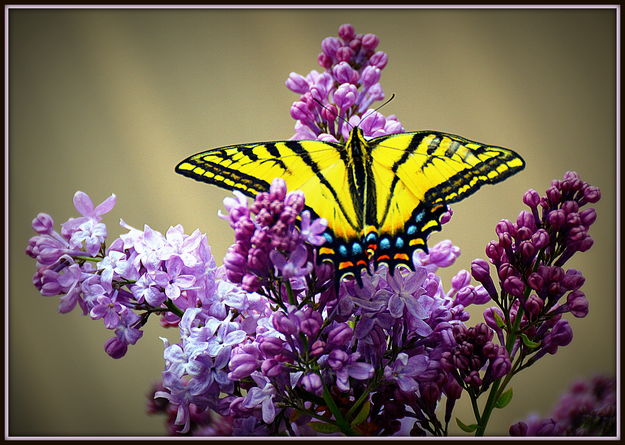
column 314, row 167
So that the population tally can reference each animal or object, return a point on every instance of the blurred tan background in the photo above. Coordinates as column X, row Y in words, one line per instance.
column 108, row 101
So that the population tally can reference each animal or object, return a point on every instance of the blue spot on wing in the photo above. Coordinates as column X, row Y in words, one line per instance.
column 356, row 249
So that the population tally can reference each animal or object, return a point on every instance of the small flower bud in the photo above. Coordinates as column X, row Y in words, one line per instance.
column 570, row 207
column 534, row 305
column 379, row 59
column 115, row 347
column 577, row 303
column 347, row 32
column 588, row 216
column 297, row 83
column 272, row 368
column 514, row 286
column 329, row 46
column 340, row 335
column 370, row 41
column 540, row 238
column 312, row 383
column 531, row 198
column 592, row 194
column 343, row 55
column 556, row 218
column 553, row 195
column 43, row 224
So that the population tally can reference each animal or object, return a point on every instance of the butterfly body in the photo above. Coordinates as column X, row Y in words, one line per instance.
column 381, row 197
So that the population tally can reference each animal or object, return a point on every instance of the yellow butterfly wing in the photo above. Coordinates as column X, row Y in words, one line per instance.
column 314, row 167
column 417, row 174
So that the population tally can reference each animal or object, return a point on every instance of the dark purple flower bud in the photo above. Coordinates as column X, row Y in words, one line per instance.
column 585, row 244
column 506, row 270
column 592, row 194
column 329, row 46
column 271, row 368
column 534, row 305
column 556, row 218
column 311, row 325
column 573, row 219
column 577, row 304
column 531, row 198
column 370, row 41
column 524, row 233
column 343, row 55
column 527, row 249
column 505, row 240
column 312, row 383
column 526, row 219
column 452, row 389
column 540, row 238
column 501, row 365
column 514, row 286
column 242, row 365
column 560, row 335
column 379, row 59
column 473, row 379
column 340, row 335
column 577, row 233
column 553, row 195
column 337, row 358
column 324, row 61
column 284, row 324
column 271, row 346
column 588, row 216
column 573, row 279
column 480, row 270
column 317, row 348
column 446, row 217
column 355, row 45
column 329, row 113
column 115, row 347
column 465, row 296
column 494, row 251
column 505, row 226
column 430, row 392
column 570, row 207
column 519, row 429
column 43, row 224
column 250, row 282
column 347, row 32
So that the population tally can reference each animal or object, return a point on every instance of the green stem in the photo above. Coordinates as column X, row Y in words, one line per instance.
column 173, row 308
column 88, row 258
column 494, row 390
column 340, row 420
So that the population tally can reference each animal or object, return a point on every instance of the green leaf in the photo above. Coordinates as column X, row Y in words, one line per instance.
column 504, row 399
column 466, row 428
column 500, row 322
column 529, row 343
column 362, row 414
column 324, row 428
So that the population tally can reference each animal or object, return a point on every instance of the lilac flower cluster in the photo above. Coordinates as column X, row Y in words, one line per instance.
column 140, row 273
column 333, row 102
column 587, row 409
column 528, row 258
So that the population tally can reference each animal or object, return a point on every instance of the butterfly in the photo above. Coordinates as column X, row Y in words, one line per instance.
column 381, row 197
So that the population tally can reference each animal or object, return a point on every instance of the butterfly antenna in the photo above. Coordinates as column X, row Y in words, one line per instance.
column 338, row 115
column 373, row 111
